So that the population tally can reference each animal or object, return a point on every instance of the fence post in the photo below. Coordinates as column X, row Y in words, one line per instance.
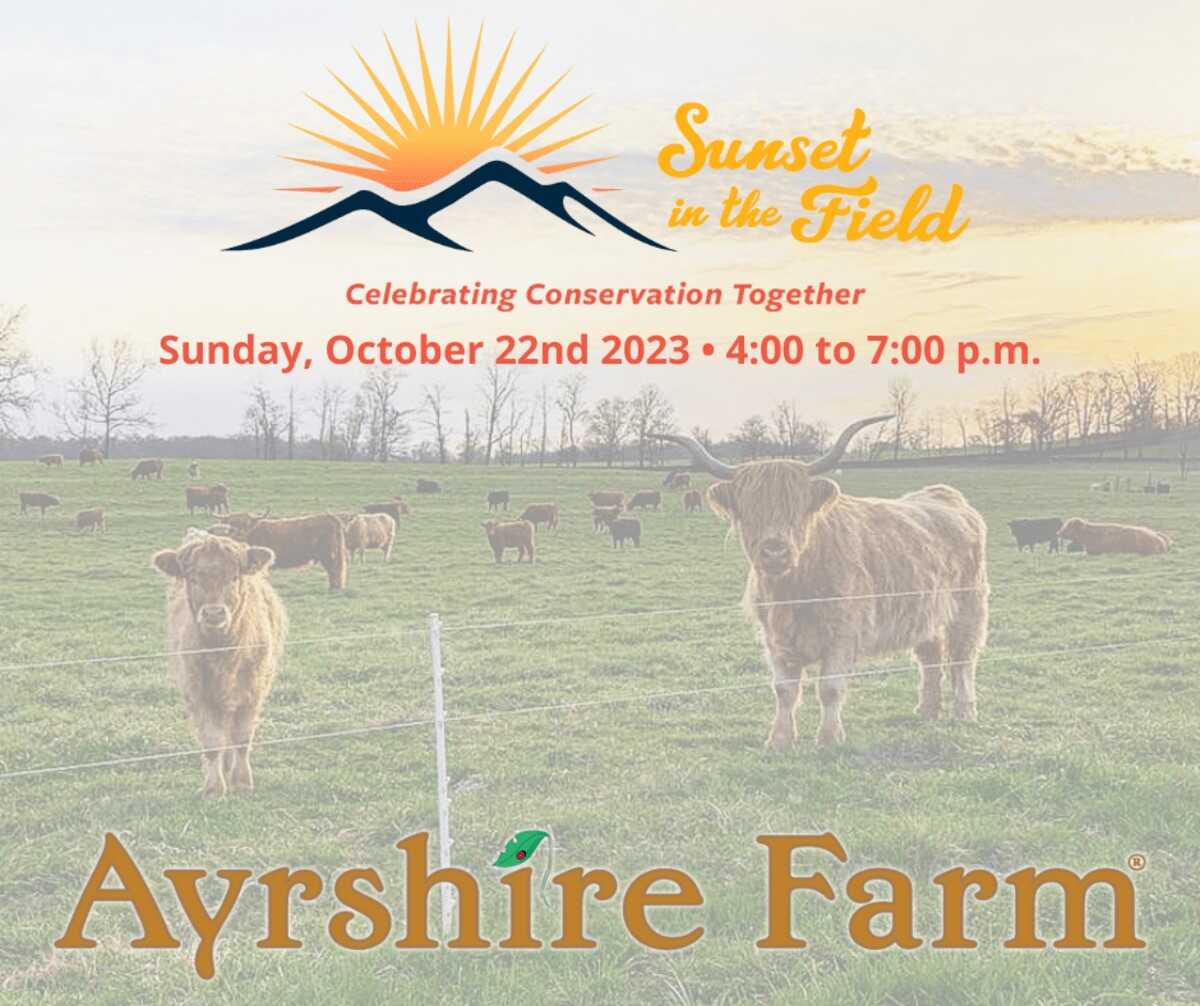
column 443, row 781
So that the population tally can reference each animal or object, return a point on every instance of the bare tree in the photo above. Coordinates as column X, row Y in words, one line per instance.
column 902, row 400
column 106, row 400
column 17, row 372
column 753, row 436
column 387, row 426
column 433, row 410
column 264, row 421
column 543, row 408
column 327, row 409
column 496, row 389
column 467, row 452
column 608, row 422
column 649, row 411
column 571, row 408
column 793, row 436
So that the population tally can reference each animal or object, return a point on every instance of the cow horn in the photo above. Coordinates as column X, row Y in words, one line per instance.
column 700, row 456
column 834, row 454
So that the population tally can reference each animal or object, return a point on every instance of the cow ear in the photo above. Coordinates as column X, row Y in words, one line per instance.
column 167, row 563
column 721, row 499
column 824, row 491
column 257, row 559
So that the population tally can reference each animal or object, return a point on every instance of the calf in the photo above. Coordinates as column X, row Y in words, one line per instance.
column 428, row 486
column 364, row 531
column 514, row 534
column 211, row 499
column 498, row 499
column 1031, row 531
column 145, row 468
column 645, row 498
column 90, row 520
column 51, row 460
column 692, row 501
column 297, row 542
column 37, row 501
column 541, row 513
column 602, row 516
column 607, row 498
column 625, row 529
column 226, row 630
column 1103, row 539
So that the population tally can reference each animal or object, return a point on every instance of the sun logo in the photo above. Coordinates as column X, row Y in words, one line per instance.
column 405, row 141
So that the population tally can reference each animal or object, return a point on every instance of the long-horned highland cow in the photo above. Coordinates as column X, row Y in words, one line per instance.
column 147, row 467
column 1104, row 539
column 90, row 520
column 51, row 460
column 298, row 541
column 372, row 530
column 37, row 501
column 906, row 573
column 513, row 534
column 226, row 630
column 211, row 499
column 541, row 513
column 91, row 456
column 677, row 480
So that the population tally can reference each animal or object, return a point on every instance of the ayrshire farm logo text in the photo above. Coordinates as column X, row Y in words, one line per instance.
column 429, row 140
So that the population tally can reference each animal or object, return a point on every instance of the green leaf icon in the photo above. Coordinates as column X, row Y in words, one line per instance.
column 520, row 848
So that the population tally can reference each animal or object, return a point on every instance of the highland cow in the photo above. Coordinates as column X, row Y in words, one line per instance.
column 298, row 541
column 37, row 501
column 607, row 498
column 428, row 486
column 51, row 460
column 147, row 467
column 91, row 456
column 1031, row 531
column 90, row 520
column 498, row 499
column 907, row 573
column 211, row 499
column 1107, row 539
column 692, row 501
column 541, row 513
column 366, row 531
column 651, row 498
column 602, row 516
column 226, row 630
column 677, row 480
column 625, row 529
column 514, row 534
column 392, row 508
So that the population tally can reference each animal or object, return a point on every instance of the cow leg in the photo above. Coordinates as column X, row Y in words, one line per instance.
column 931, row 655
column 212, row 736
column 832, row 686
column 965, row 638
column 787, row 680
column 242, row 734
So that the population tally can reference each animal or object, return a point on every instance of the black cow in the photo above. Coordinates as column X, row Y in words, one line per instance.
column 1030, row 531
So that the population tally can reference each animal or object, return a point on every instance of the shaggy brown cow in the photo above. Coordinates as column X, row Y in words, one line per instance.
column 625, row 529
column 226, row 629
column 212, row 499
column 38, row 501
column 91, row 456
column 498, row 499
column 645, row 498
column 692, row 501
column 908, row 573
column 51, row 460
column 514, row 534
column 147, row 467
column 602, row 516
column 90, row 520
column 428, row 486
column 607, row 498
column 298, row 541
column 677, row 480
column 541, row 513
column 364, row 531
column 393, row 508
column 1104, row 539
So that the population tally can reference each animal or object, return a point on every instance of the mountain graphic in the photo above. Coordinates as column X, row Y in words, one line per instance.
column 414, row 217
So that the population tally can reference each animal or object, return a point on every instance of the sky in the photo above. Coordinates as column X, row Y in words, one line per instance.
column 148, row 138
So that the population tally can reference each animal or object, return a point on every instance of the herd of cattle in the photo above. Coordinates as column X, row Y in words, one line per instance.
column 896, row 574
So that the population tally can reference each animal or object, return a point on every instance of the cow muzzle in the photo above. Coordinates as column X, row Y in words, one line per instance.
column 774, row 556
column 213, row 616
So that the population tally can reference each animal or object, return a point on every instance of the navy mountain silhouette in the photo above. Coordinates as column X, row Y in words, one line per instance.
column 414, row 217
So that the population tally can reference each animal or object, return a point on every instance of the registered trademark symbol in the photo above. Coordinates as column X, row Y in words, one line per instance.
column 1137, row 862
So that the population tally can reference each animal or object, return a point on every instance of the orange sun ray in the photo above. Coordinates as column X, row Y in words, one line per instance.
column 469, row 86
column 490, row 90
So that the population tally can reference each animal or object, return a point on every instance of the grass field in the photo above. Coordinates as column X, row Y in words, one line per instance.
column 1078, row 758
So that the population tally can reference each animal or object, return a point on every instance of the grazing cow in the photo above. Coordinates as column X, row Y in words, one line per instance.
column 392, row 508
column 193, row 470
column 602, row 516
column 1031, row 531
column 147, row 467
column 364, row 531
column 1104, row 539
column 677, row 480
column 90, row 520
column 514, row 534
column 692, row 501
column 498, row 499
column 211, row 499
column 541, row 513
column 625, row 529
column 428, row 486
column 298, row 541
column 226, row 629
column 1101, row 487
column 907, row 573
column 645, row 498
column 607, row 498
column 38, row 501
column 91, row 456
column 1163, row 488
column 51, row 460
